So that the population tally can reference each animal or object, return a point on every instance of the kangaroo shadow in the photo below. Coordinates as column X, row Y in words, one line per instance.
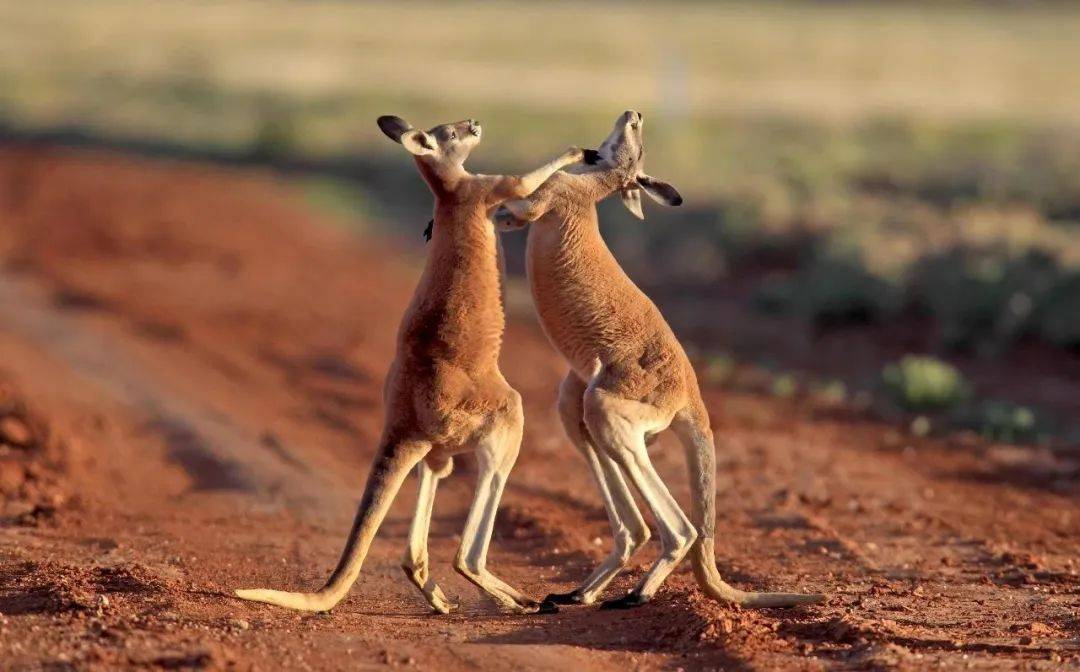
column 659, row 627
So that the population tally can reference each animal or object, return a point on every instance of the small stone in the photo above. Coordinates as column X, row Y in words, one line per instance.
column 239, row 624
column 1025, row 640
column 921, row 426
column 14, row 431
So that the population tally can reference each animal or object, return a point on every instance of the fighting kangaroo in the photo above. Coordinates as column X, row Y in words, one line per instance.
column 629, row 379
column 444, row 393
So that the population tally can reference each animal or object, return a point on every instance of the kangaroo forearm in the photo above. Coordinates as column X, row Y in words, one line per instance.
column 531, row 181
column 521, row 211
column 520, row 186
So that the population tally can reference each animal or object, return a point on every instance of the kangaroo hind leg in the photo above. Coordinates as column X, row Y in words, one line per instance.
column 496, row 452
column 627, row 525
column 416, row 562
column 619, row 427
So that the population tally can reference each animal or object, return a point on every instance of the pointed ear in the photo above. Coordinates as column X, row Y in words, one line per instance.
column 393, row 126
column 660, row 191
column 631, row 198
column 418, row 143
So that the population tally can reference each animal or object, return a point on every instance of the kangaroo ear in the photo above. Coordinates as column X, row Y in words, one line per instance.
column 418, row 143
column 631, row 198
column 393, row 126
column 660, row 191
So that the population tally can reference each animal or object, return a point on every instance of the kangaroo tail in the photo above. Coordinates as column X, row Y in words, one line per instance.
column 693, row 429
column 391, row 467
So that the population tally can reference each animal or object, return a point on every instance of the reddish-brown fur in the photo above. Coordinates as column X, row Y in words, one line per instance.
column 444, row 392
column 630, row 378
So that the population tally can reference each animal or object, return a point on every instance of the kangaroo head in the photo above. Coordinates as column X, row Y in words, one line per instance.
column 624, row 151
column 447, row 145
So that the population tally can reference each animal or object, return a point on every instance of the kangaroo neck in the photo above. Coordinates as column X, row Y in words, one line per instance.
column 606, row 182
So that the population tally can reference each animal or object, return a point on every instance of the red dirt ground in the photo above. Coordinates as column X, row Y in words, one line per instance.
column 190, row 371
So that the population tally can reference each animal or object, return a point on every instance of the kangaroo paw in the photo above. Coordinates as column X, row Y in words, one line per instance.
column 628, row 601
column 573, row 597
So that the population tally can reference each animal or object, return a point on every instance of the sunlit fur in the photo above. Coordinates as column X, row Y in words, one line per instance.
column 444, row 393
column 629, row 379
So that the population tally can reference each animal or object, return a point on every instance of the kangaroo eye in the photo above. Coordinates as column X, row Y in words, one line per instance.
column 453, row 135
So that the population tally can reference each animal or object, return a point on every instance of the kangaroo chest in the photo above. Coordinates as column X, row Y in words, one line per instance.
column 589, row 308
column 457, row 313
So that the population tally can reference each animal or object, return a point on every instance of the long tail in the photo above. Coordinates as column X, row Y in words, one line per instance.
column 391, row 467
column 693, row 429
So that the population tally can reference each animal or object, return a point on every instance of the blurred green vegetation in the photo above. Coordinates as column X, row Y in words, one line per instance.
column 344, row 201
column 1004, row 421
column 981, row 300
column 939, row 392
column 924, row 384
column 928, row 394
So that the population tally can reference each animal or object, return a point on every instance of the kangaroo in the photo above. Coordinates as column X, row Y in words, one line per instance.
column 629, row 379
column 444, row 393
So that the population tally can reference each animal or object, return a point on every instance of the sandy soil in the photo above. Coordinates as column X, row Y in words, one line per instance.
column 190, row 371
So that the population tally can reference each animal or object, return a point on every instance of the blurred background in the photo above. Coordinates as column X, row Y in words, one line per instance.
column 882, row 199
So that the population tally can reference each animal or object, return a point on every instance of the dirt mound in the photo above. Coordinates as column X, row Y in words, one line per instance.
column 690, row 621
column 54, row 587
column 31, row 463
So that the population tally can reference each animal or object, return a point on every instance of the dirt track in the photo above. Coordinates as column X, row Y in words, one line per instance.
column 198, row 361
